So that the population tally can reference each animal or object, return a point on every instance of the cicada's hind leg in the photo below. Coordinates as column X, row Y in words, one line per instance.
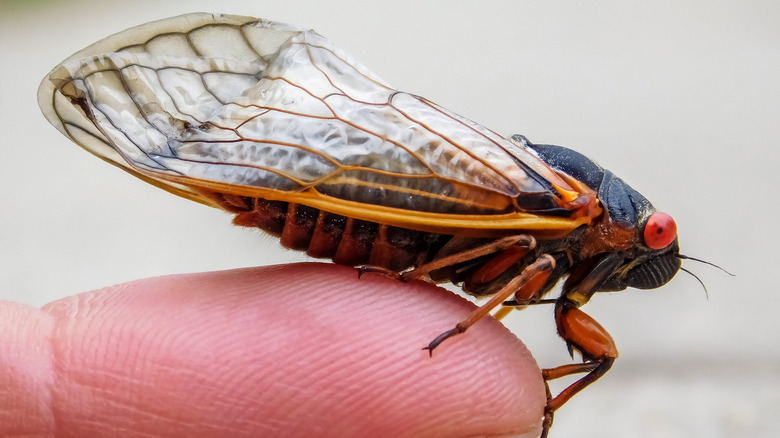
column 519, row 244
column 528, row 283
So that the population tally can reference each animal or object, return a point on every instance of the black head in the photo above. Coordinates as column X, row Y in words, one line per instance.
column 645, row 270
column 654, row 259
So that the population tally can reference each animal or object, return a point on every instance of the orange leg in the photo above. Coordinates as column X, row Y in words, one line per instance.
column 598, row 350
column 503, row 312
column 520, row 241
column 527, row 283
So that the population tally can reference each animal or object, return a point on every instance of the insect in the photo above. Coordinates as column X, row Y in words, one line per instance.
column 293, row 136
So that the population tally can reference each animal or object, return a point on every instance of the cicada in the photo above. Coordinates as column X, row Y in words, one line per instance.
column 289, row 133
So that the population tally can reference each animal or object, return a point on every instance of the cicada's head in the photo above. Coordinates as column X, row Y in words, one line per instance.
column 652, row 258
column 653, row 261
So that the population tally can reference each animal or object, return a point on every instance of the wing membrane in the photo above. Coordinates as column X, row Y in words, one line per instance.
column 245, row 106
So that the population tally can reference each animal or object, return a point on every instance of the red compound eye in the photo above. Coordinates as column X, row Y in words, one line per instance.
column 660, row 230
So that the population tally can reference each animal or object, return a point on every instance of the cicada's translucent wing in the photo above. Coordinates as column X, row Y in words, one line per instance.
column 211, row 103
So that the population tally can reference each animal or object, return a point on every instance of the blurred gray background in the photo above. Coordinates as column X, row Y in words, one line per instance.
column 680, row 99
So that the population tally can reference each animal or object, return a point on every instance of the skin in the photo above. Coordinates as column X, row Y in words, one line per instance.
column 295, row 350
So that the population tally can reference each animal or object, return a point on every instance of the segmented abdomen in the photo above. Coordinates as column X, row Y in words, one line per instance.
column 344, row 240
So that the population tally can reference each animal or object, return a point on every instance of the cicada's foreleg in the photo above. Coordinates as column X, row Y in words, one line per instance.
column 598, row 350
column 528, row 283
column 581, row 333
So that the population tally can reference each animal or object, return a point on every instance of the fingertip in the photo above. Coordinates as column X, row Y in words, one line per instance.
column 25, row 370
column 288, row 350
